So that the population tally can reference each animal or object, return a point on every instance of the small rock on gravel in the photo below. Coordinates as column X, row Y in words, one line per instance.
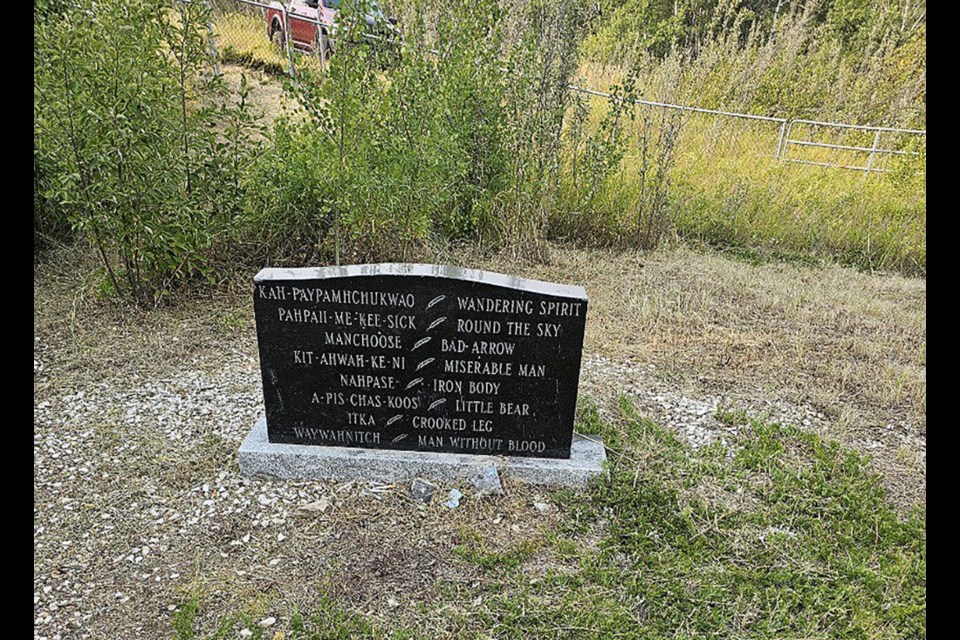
column 422, row 491
column 453, row 500
column 487, row 482
column 320, row 505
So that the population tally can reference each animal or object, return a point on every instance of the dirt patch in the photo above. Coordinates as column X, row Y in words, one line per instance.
column 267, row 96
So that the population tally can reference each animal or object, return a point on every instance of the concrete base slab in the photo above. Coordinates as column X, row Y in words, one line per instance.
column 259, row 458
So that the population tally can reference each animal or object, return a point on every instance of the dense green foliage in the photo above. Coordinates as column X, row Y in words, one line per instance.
column 401, row 149
column 137, row 150
column 856, row 61
column 467, row 131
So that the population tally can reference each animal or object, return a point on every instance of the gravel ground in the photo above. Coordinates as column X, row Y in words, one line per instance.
column 696, row 417
column 139, row 505
column 168, row 501
column 693, row 417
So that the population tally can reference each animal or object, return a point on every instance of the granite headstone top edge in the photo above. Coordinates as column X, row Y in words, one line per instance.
column 271, row 274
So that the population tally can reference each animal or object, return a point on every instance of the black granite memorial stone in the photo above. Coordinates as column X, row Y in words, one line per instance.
column 419, row 357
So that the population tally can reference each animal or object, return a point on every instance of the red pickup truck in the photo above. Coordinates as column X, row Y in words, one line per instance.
column 313, row 24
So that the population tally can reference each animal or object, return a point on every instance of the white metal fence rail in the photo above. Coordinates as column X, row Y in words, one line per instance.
column 786, row 129
column 874, row 151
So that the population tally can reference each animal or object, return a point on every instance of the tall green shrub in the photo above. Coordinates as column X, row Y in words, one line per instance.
column 451, row 137
column 126, row 119
column 539, row 63
column 315, row 193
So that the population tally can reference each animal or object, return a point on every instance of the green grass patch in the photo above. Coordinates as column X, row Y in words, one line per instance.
column 327, row 621
column 479, row 554
column 779, row 535
column 330, row 622
column 724, row 186
column 783, row 535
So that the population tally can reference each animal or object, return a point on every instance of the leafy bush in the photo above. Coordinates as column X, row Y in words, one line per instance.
column 50, row 224
column 461, row 141
column 840, row 60
column 138, row 149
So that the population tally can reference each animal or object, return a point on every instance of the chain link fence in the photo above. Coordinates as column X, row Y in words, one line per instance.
column 272, row 36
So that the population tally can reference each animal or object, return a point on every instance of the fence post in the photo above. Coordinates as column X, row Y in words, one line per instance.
column 783, row 128
column 213, row 41
column 320, row 52
column 286, row 41
column 873, row 151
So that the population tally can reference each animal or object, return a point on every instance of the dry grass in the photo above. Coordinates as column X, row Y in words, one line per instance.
column 242, row 37
column 728, row 187
column 380, row 555
column 851, row 345
column 267, row 96
column 819, row 332
column 847, row 342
